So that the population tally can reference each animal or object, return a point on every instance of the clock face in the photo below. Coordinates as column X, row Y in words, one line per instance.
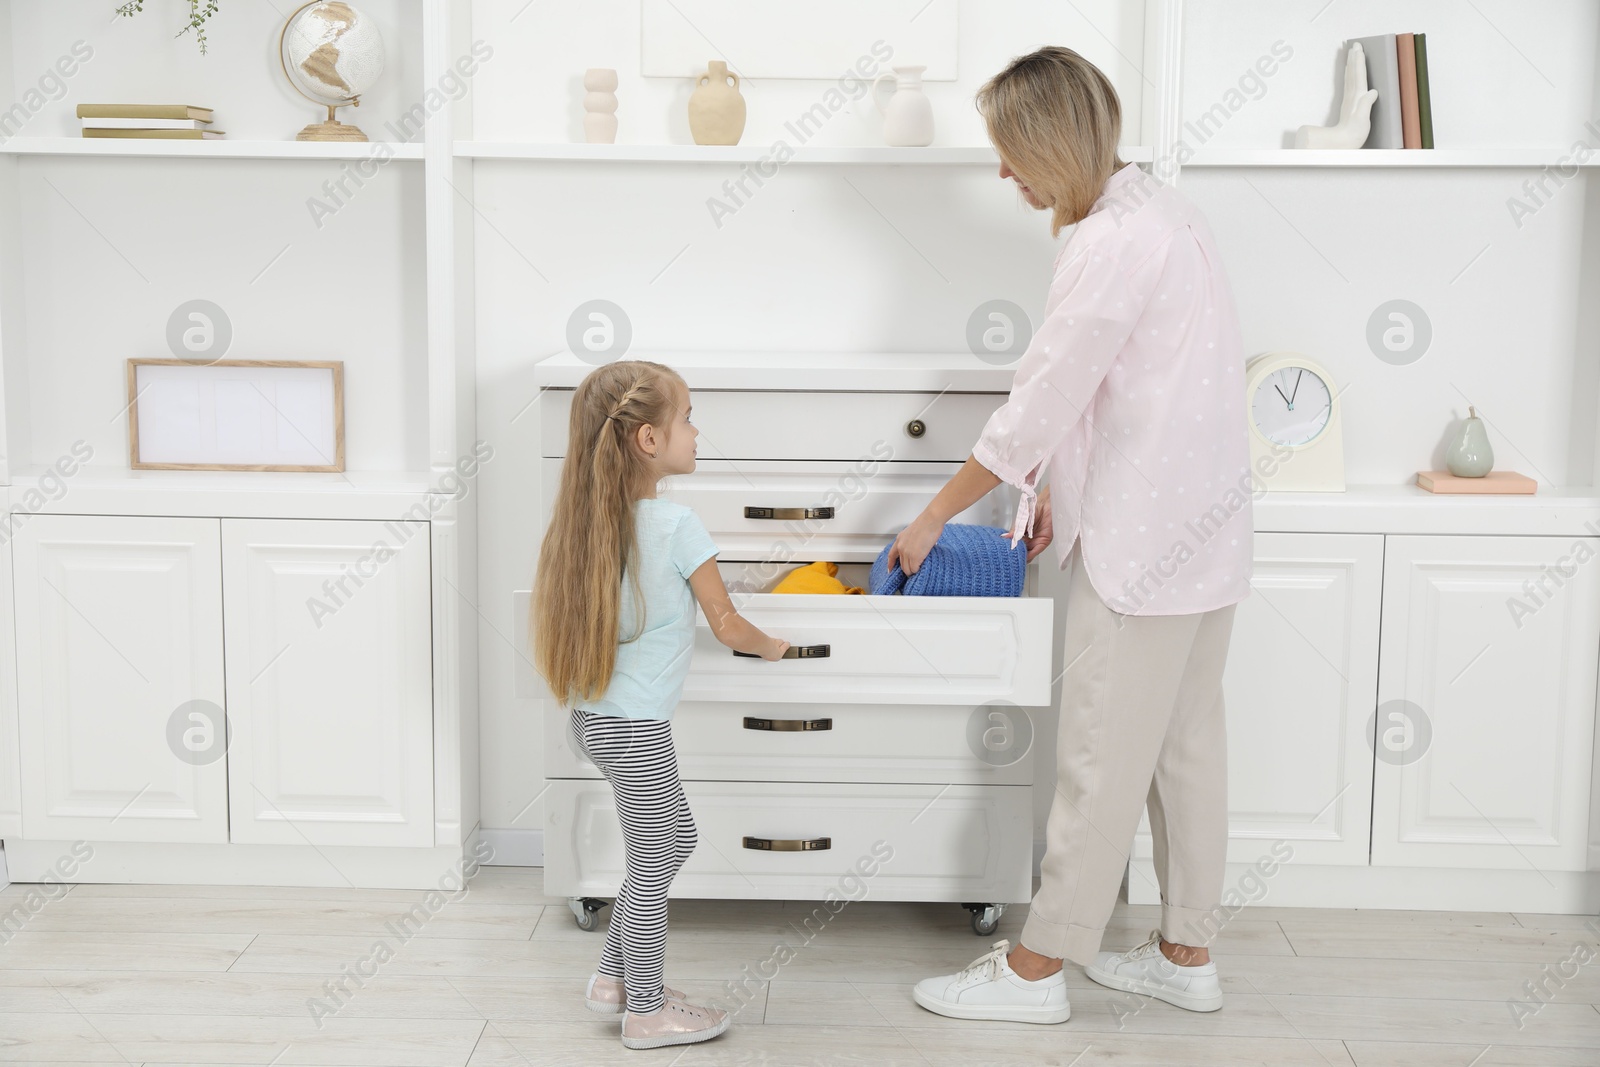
column 1292, row 406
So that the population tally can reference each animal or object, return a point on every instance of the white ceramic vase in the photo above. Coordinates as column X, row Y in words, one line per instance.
column 908, row 116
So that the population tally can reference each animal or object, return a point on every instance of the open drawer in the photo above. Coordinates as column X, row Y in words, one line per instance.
column 750, row 424
column 831, row 742
column 883, row 650
column 795, row 841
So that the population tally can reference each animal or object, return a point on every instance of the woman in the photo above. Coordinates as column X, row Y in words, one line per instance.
column 1131, row 392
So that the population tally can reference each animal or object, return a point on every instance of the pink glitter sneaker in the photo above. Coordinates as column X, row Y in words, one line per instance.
column 677, row 1023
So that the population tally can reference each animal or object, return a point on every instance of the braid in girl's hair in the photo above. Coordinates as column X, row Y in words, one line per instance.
column 577, row 591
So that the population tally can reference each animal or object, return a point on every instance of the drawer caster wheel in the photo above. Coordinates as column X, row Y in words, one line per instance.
column 586, row 912
column 985, row 917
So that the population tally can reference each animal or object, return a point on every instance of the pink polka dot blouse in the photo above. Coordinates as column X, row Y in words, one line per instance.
column 1131, row 393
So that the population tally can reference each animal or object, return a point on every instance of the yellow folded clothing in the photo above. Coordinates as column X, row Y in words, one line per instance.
column 815, row 577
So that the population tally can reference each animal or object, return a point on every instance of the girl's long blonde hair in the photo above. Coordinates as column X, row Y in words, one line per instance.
column 577, row 592
column 1055, row 119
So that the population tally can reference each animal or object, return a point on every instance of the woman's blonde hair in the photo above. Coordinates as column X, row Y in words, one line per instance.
column 1055, row 120
column 577, row 592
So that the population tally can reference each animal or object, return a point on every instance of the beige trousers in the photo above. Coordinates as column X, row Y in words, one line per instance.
column 1141, row 724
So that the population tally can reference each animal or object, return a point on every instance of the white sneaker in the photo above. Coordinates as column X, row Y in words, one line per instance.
column 1146, row 970
column 989, row 989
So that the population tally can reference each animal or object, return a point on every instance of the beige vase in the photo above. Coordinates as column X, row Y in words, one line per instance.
column 716, row 110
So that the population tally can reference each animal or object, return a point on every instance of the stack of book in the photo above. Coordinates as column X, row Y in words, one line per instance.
column 176, row 122
column 1397, row 66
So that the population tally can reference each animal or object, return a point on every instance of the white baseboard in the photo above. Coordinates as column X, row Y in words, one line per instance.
column 1294, row 885
column 513, row 848
column 166, row 863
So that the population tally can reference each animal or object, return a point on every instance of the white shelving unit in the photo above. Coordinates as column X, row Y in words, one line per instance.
column 868, row 155
column 444, row 281
column 1529, row 158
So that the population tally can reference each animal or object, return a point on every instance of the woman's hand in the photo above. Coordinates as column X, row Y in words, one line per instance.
column 914, row 543
column 1043, row 528
column 776, row 647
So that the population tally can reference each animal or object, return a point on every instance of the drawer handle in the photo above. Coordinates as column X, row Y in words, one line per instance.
column 916, row 428
column 796, row 652
column 788, row 513
column 793, row 844
column 787, row 725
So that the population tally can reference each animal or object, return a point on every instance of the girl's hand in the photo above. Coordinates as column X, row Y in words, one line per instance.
column 776, row 647
column 1043, row 527
column 914, row 543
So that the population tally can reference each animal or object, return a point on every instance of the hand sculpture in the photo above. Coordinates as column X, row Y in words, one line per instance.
column 1355, row 111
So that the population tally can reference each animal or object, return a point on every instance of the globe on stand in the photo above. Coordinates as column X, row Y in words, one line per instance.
column 331, row 53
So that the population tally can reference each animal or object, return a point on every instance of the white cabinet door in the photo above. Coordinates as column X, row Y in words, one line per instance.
column 1492, row 641
column 1299, row 685
column 329, row 682
column 119, row 625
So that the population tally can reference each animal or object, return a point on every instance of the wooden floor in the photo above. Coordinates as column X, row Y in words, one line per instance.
column 198, row 974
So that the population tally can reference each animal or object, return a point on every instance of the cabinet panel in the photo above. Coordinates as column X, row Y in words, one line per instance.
column 957, row 842
column 885, row 650
column 329, row 682
column 119, row 624
column 1493, row 641
column 834, row 742
column 870, row 503
column 737, row 425
column 1299, row 685
column 10, row 762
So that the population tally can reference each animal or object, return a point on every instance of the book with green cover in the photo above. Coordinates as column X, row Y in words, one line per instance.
column 1424, row 98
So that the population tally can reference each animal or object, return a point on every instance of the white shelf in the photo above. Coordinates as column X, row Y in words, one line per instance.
column 904, row 372
column 1381, row 157
column 223, row 149
column 1566, row 511
column 693, row 153
column 108, row 490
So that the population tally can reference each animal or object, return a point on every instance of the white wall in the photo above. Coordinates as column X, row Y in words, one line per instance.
column 140, row 60
column 1313, row 252
column 884, row 258
column 111, row 246
column 819, row 258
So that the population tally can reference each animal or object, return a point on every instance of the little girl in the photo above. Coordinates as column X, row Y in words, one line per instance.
column 613, row 629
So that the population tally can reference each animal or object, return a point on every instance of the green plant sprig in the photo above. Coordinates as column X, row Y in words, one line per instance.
column 199, row 12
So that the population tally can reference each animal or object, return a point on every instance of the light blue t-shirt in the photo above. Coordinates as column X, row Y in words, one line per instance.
column 651, row 669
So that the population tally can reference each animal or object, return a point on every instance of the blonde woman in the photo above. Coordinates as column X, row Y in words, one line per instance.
column 613, row 621
column 1131, row 393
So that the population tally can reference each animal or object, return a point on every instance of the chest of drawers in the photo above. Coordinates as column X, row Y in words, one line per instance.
column 909, row 731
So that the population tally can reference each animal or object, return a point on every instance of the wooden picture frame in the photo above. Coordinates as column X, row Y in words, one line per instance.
column 236, row 415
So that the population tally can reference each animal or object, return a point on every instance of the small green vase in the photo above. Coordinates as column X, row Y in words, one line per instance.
column 1469, row 455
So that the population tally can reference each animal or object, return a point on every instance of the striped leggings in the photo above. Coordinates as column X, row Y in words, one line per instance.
column 658, row 834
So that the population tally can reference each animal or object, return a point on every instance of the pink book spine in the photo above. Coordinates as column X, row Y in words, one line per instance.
column 1405, row 47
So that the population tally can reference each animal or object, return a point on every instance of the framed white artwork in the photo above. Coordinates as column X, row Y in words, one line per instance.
column 236, row 415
